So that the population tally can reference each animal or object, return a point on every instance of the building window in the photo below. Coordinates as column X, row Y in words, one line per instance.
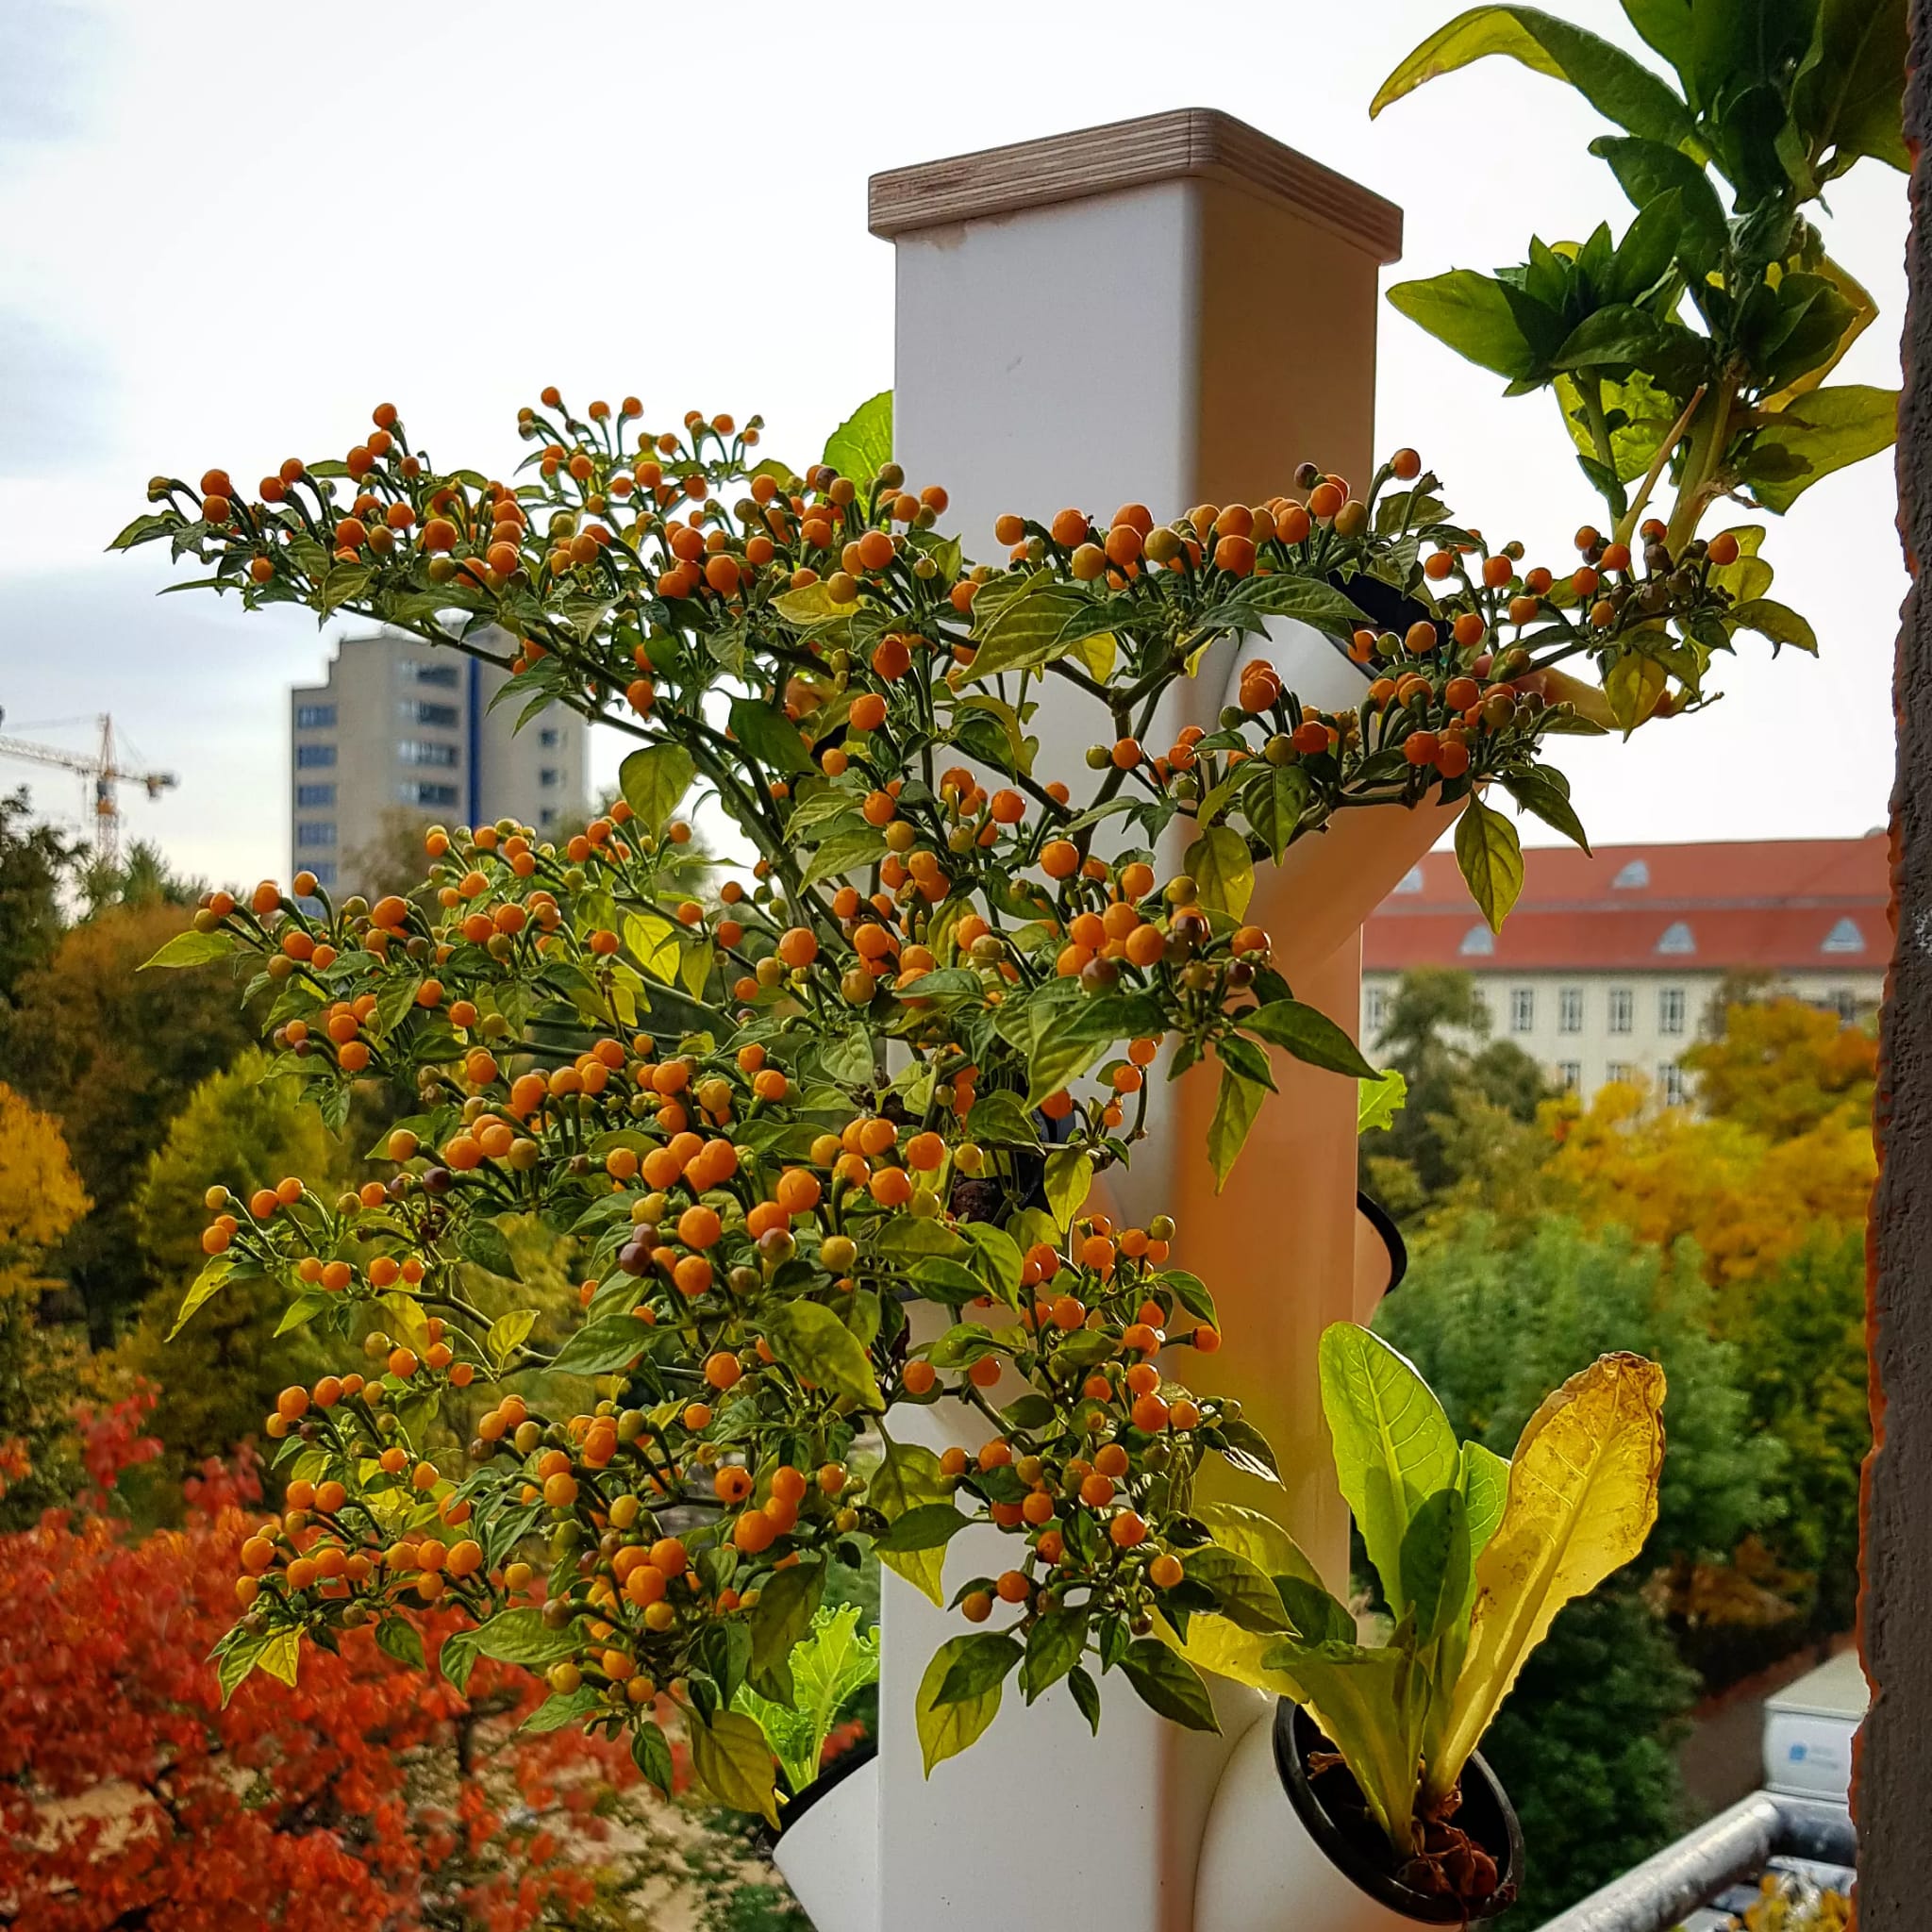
column 1522, row 1009
column 1845, row 937
column 1632, row 878
column 1678, row 937
column 425, row 792
column 315, row 717
column 1673, row 1085
column 310, row 756
column 1670, row 1011
column 417, row 672
column 1476, row 943
column 324, row 870
column 1375, row 1008
column 1622, row 1072
column 546, row 736
column 1569, row 1075
column 1623, row 1009
column 1411, row 881
column 313, row 832
column 424, row 751
column 1569, row 1009
column 421, row 711
column 547, row 815
column 315, row 794
column 1845, row 1003
column 547, row 776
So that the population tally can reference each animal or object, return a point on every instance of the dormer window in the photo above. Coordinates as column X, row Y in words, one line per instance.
column 1678, row 938
column 1633, row 878
column 1845, row 937
column 1478, row 942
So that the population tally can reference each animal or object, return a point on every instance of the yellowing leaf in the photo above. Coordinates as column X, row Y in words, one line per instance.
column 653, row 942
column 1214, row 1643
column 1490, row 856
column 214, row 1273
column 946, row 1730
column 734, row 1762
column 908, row 1478
column 815, row 1344
column 1582, row 1499
column 507, row 1333
column 1221, row 868
column 654, row 780
column 1069, row 1178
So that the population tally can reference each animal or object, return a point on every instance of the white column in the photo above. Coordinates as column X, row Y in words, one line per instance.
column 1166, row 310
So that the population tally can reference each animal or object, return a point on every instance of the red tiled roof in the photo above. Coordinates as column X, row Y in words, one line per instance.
column 1770, row 904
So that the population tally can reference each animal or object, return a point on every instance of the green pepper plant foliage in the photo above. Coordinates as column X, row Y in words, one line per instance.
column 870, row 1080
column 1692, row 356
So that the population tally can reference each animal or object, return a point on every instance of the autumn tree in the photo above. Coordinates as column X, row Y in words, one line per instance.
column 34, row 859
column 40, row 1198
column 112, row 1053
column 1464, row 1090
column 1783, row 1068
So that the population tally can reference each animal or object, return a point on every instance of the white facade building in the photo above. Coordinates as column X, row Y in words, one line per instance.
column 1606, row 967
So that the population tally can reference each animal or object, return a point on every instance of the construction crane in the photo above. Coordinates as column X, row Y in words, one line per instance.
column 103, row 774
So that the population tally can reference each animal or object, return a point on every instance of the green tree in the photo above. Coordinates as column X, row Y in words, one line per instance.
column 113, row 1053
column 220, row 1375
column 1584, row 1742
column 34, row 861
column 1464, row 1088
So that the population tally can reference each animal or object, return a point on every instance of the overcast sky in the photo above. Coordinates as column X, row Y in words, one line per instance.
column 231, row 229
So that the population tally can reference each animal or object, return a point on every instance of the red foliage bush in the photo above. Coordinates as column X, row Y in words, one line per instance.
column 372, row 1798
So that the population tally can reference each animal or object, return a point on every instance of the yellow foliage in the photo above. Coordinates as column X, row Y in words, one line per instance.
column 40, row 1195
column 1747, row 1200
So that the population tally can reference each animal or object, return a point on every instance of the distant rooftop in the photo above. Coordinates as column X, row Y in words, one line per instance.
column 1774, row 905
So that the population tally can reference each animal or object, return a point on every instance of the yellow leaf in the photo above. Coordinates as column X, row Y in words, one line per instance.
column 1582, row 1499
column 946, row 1730
column 733, row 1760
column 1222, row 1648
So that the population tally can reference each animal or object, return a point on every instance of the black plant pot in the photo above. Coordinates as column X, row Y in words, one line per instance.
column 1329, row 1804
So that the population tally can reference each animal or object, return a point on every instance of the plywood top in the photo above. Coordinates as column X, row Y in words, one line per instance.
column 1188, row 142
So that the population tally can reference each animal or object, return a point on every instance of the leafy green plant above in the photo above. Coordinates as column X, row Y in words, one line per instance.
column 1689, row 357
column 1475, row 1555
column 829, row 1666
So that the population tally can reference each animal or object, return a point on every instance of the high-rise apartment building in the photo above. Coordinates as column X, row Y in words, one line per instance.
column 402, row 725
column 1606, row 966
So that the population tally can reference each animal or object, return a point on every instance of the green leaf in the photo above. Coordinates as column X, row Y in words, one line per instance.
column 946, row 1730
column 191, row 948
column 650, row 1754
column 1244, row 1592
column 984, row 1662
column 398, row 1638
column 1235, row 1107
column 848, row 852
column 769, row 736
column 1244, row 1057
column 1478, row 317
column 1620, row 89
column 1054, row 1644
column 1394, row 1445
column 1219, row 864
column 931, row 1526
column 521, row 1637
column 1778, row 621
column 1484, row 1480
column 654, row 782
column 1169, row 1684
column 1619, row 337
column 481, row 1244
column 563, row 1708
column 1490, row 856
column 1086, row 1695
column 1850, row 88
column 783, row 1613
column 908, row 1478
column 1026, row 631
column 814, row 1343
column 1068, row 1179
column 1648, row 170
column 1309, row 1034
column 214, row 1273
column 1438, row 1577
column 861, row 445
column 732, row 1760
column 602, row 1347
column 1380, row 1101
column 1826, row 430
column 1274, row 801
column 1546, row 793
